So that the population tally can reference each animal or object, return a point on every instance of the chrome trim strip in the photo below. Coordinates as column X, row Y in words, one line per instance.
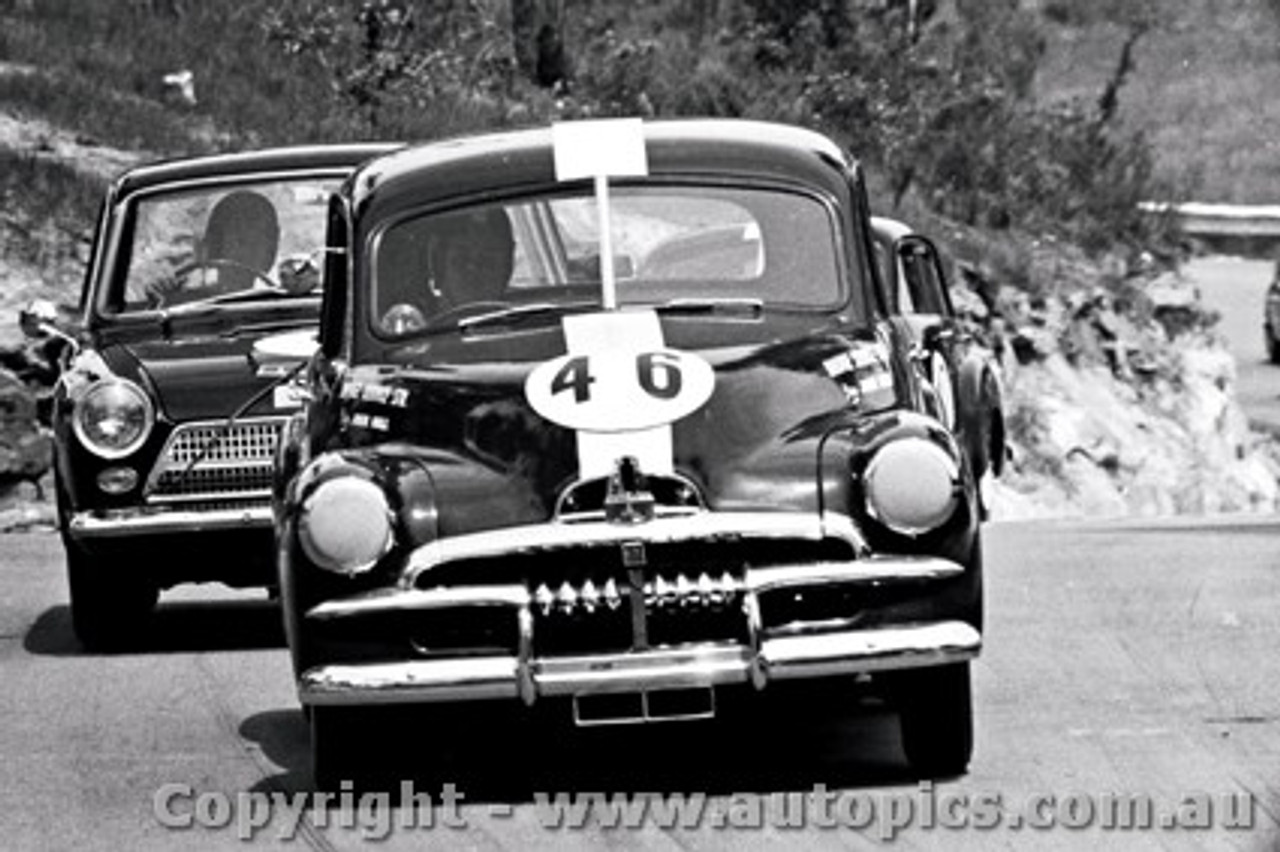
column 653, row 669
column 413, row 600
column 875, row 569
column 823, row 655
column 561, row 535
column 498, row 677
column 208, row 496
column 421, row 680
column 144, row 522
column 526, row 684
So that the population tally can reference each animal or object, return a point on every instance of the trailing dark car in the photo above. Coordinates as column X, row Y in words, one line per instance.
column 613, row 417
column 165, row 425
column 963, row 374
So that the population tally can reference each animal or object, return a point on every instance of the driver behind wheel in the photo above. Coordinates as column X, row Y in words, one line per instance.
column 471, row 257
column 468, row 258
column 237, row 252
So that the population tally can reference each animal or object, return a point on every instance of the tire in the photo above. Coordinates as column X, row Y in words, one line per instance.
column 331, row 754
column 109, row 608
column 1273, row 346
column 350, row 744
column 935, row 707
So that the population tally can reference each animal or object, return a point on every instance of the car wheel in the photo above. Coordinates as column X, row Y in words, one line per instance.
column 1273, row 346
column 355, row 745
column 935, row 708
column 109, row 608
column 334, row 752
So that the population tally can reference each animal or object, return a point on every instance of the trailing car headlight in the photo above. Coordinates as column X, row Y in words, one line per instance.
column 113, row 418
column 345, row 525
column 911, row 486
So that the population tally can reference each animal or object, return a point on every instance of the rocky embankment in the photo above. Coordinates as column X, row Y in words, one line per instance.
column 26, row 444
column 1119, row 396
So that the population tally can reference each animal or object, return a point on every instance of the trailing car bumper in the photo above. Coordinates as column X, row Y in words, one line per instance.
column 162, row 521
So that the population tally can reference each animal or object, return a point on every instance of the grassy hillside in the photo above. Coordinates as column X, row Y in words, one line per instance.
column 277, row 71
column 1203, row 88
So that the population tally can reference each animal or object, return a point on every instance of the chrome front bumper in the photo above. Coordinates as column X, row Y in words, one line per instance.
column 158, row 521
column 800, row 651
column 508, row 677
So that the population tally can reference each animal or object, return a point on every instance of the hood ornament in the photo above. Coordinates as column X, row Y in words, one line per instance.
column 628, row 499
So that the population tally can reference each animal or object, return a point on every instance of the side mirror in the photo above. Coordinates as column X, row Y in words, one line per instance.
column 39, row 321
column 299, row 274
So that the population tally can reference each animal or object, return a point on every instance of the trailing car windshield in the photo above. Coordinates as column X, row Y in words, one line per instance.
column 672, row 245
column 223, row 243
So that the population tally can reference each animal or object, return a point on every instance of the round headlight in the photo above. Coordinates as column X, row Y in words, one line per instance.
column 345, row 525
column 911, row 486
column 113, row 418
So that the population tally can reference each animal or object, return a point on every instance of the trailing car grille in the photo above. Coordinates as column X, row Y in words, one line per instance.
column 210, row 461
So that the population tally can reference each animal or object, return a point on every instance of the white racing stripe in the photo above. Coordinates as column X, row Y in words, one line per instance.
column 619, row 333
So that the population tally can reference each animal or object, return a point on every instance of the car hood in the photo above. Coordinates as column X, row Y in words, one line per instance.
column 201, row 377
column 496, row 460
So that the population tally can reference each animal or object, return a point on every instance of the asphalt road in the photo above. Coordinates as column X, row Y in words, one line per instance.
column 1122, row 660
column 1236, row 288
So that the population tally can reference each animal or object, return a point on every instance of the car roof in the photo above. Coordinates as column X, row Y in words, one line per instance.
column 504, row 161
column 267, row 160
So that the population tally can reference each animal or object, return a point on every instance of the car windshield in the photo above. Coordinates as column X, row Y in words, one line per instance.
column 673, row 246
column 224, row 243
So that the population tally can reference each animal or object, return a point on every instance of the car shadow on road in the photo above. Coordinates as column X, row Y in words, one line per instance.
column 502, row 757
column 174, row 627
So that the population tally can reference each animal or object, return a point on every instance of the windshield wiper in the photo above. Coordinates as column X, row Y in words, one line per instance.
column 255, row 294
column 520, row 313
column 209, row 306
column 516, row 314
column 695, row 305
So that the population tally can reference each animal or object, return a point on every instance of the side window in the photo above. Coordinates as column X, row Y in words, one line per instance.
column 922, row 278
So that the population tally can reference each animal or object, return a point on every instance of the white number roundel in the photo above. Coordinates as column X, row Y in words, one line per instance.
column 620, row 391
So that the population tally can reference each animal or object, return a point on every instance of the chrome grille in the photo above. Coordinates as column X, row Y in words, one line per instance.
column 245, row 442
column 229, row 462
column 676, row 609
column 598, row 587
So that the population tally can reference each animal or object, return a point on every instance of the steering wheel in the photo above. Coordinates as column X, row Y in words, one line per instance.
column 227, row 263
column 160, row 291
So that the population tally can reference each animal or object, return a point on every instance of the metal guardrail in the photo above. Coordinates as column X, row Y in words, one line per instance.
column 1198, row 219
